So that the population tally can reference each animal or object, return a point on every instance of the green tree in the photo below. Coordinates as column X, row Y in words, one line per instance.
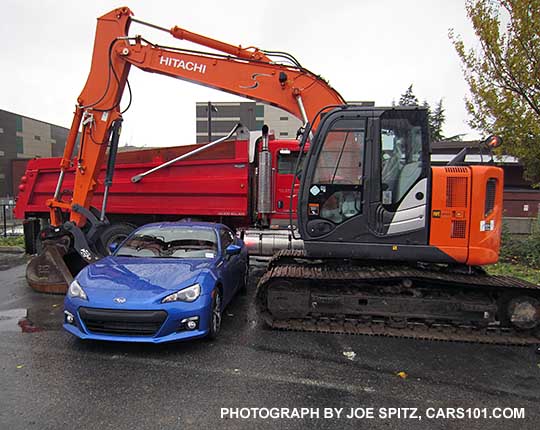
column 408, row 98
column 436, row 122
column 503, row 75
column 426, row 105
column 436, row 118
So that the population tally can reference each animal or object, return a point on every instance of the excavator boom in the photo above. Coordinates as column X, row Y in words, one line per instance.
column 248, row 72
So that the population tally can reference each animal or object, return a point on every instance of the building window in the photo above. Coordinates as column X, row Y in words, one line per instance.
column 37, row 137
column 20, row 146
column 1, row 130
column 259, row 111
column 18, row 120
column 283, row 133
column 284, row 118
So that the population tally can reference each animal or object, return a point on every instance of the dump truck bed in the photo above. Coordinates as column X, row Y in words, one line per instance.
column 213, row 183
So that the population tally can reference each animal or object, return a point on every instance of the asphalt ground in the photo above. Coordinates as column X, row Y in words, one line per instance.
column 50, row 380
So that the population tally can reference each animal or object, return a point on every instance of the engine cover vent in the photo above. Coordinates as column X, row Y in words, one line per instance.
column 459, row 229
column 456, row 169
column 456, row 192
column 491, row 189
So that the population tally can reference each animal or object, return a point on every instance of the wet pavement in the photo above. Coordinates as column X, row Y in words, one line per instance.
column 11, row 256
column 51, row 380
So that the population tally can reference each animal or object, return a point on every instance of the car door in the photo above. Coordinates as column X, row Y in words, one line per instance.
column 230, row 265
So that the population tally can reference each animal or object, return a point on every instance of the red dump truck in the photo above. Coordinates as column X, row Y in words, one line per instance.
column 220, row 183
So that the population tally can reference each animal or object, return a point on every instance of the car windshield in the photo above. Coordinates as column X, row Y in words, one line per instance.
column 170, row 242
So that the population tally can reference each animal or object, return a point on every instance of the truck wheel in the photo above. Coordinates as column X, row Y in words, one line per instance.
column 114, row 233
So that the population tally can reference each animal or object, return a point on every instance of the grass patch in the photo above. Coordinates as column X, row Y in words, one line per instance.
column 519, row 256
column 12, row 241
column 515, row 270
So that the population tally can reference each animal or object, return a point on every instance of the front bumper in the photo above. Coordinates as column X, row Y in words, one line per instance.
column 162, row 323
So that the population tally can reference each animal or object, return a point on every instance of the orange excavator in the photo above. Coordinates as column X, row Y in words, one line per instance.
column 391, row 245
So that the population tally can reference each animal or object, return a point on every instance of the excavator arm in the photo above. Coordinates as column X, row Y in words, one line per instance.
column 247, row 72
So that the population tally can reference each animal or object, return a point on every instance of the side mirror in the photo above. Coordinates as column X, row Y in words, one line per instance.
column 493, row 141
column 233, row 249
column 113, row 247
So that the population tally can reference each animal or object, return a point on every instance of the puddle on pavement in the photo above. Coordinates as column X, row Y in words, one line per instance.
column 16, row 320
column 9, row 260
column 31, row 320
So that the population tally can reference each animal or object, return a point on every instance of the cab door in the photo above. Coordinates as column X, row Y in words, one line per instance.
column 334, row 192
column 283, row 179
column 399, row 203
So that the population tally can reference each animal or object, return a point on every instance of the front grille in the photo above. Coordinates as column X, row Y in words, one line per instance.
column 126, row 323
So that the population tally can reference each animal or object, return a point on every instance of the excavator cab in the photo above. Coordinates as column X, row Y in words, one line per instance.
column 366, row 183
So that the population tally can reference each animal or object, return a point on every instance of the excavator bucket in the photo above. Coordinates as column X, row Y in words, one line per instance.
column 48, row 272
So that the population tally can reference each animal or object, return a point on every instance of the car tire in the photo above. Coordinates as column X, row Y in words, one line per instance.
column 244, row 283
column 216, row 315
column 111, row 234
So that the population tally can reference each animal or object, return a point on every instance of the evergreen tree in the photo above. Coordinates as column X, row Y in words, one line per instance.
column 408, row 98
column 426, row 105
column 436, row 117
column 436, row 121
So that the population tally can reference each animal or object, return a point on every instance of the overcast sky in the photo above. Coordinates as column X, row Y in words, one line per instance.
column 367, row 49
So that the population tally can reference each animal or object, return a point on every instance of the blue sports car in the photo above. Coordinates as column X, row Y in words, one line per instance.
column 165, row 282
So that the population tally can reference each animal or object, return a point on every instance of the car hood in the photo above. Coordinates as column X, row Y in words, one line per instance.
column 137, row 278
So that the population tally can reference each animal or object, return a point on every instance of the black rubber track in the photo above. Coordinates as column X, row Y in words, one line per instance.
column 294, row 265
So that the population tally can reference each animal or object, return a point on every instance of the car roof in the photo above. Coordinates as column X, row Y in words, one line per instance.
column 185, row 223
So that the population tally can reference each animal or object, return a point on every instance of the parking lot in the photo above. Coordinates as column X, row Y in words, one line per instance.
column 51, row 380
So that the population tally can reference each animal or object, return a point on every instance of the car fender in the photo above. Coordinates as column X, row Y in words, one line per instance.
column 208, row 279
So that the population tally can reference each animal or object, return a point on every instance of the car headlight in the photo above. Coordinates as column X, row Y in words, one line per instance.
column 188, row 294
column 75, row 290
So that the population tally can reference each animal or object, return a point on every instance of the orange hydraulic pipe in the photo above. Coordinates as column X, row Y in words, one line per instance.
column 237, row 51
column 71, row 139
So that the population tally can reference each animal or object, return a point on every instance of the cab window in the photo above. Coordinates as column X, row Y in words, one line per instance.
column 287, row 162
column 341, row 158
column 401, row 157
